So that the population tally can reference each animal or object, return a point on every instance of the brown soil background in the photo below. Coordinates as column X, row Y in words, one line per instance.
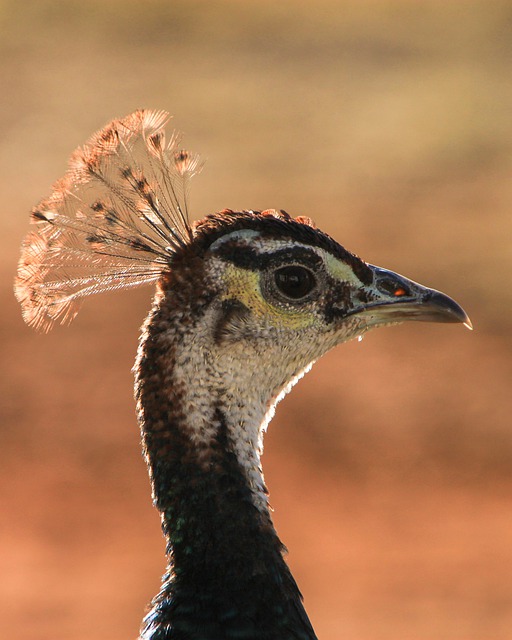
column 390, row 465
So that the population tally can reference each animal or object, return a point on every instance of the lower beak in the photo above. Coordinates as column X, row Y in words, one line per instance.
column 432, row 306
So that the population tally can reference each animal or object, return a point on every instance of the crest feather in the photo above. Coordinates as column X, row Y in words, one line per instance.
column 114, row 221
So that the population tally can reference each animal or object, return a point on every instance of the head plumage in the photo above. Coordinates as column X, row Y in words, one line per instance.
column 114, row 221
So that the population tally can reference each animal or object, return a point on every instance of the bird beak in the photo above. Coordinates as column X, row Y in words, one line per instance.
column 398, row 299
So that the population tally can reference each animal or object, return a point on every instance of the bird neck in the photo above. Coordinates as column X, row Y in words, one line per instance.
column 226, row 575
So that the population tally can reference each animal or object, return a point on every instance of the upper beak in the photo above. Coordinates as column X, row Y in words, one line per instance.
column 400, row 300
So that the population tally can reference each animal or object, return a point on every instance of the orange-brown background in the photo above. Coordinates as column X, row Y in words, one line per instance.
column 390, row 465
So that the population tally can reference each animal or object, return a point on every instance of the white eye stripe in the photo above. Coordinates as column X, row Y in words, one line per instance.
column 338, row 269
column 239, row 234
column 264, row 245
column 335, row 267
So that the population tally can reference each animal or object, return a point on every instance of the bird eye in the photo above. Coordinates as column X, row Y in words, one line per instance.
column 294, row 281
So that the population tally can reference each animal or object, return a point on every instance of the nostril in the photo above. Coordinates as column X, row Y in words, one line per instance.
column 393, row 288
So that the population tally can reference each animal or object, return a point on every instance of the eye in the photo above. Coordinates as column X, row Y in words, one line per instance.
column 294, row 281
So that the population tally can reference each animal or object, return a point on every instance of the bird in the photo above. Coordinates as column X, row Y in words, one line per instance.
column 245, row 303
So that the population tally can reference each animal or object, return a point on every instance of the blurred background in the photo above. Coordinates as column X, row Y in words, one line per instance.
column 390, row 464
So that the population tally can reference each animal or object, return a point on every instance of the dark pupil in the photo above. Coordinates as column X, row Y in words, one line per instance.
column 294, row 282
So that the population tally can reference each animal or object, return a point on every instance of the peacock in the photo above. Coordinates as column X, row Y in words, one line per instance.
column 245, row 303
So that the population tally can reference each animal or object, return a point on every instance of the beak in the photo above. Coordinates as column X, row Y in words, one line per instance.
column 397, row 299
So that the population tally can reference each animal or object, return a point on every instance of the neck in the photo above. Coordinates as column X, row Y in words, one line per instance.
column 226, row 574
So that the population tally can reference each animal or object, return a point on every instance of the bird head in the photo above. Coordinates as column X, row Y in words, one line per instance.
column 285, row 292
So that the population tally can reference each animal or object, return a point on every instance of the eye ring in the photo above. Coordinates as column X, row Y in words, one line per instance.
column 294, row 281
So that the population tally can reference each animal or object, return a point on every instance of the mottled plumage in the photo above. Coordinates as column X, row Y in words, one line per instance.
column 245, row 303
